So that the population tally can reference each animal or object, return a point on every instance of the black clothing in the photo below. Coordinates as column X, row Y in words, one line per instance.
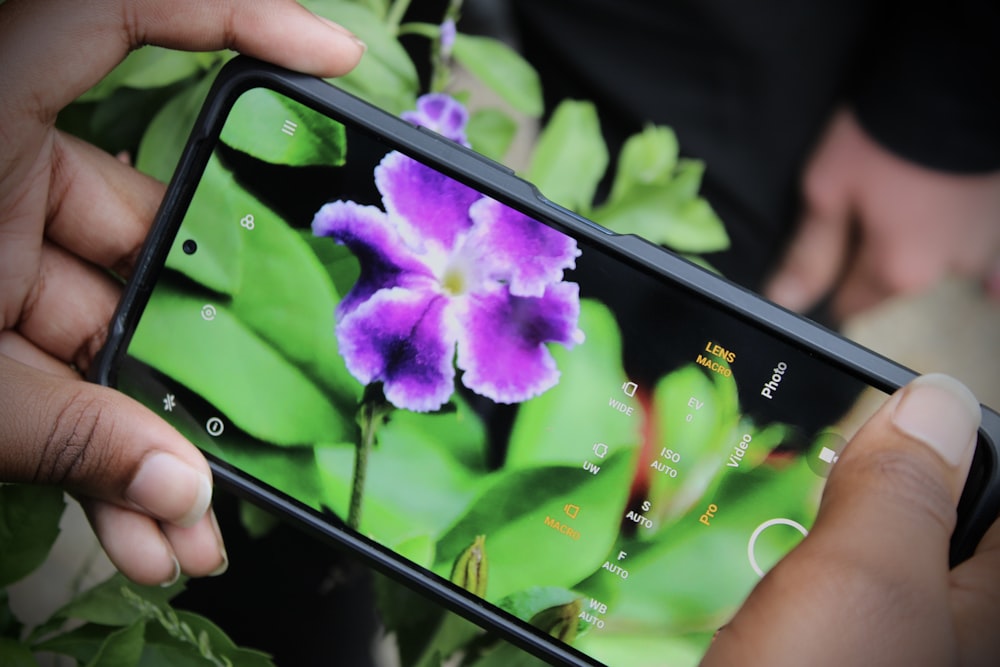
column 748, row 87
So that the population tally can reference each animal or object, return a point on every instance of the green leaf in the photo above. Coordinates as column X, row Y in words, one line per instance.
column 502, row 70
column 687, row 178
column 151, row 67
column 655, row 196
column 81, row 643
column 15, row 654
column 29, row 524
column 596, row 363
column 118, row 122
column 385, row 76
column 525, row 604
column 570, row 157
column 105, row 604
column 190, row 639
column 122, row 648
column 213, row 222
column 257, row 125
column 515, row 513
column 647, row 158
column 338, row 261
column 283, row 283
column 164, row 140
column 666, row 215
column 223, row 361
column 281, row 290
column 491, row 132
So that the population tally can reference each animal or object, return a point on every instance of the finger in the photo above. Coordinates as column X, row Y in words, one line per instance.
column 100, row 209
column 85, row 40
column 18, row 348
column 149, row 553
column 869, row 585
column 818, row 251
column 99, row 443
column 976, row 602
column 134, row 543
column 68, row 311
column 199, row 548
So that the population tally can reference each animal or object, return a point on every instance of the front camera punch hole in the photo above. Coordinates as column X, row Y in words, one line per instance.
column 189, row 247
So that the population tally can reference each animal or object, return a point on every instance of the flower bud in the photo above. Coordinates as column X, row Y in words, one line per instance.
column 560, row 621
column 471, row 568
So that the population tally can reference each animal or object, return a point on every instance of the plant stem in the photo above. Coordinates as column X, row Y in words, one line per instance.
column 396, row 12
column 372, row 412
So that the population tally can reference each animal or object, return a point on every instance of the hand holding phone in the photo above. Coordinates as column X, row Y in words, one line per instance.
column 68, row 214
column 870, row 584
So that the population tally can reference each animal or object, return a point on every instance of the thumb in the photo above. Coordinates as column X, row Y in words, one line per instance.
column 814, row 260
column 99, row 443
column 870, row 585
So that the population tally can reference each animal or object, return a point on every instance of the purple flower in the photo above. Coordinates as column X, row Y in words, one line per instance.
column 441, row 113
column 447, row 38
column 450, row 277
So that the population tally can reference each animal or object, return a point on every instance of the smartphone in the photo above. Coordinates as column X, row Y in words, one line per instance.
column 574, row 438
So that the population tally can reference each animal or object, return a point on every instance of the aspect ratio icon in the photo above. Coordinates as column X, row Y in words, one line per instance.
column 600, row 449
column 629, row 388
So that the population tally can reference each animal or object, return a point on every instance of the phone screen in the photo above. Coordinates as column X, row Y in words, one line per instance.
column 595, row 451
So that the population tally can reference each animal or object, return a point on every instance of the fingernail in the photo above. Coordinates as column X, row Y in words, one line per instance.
column 171, row 490
column 942, row 413
column 344, row 31
column 175, row 576
column 222, row 547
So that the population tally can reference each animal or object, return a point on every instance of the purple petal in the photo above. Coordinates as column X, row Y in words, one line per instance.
column 502, row 340
column 403, row 339
column 448, row 34
column 441, row 113
column 386, row 261
column 520, row 250
column 428, row 207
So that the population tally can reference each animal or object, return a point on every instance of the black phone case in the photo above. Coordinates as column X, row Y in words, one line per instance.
column 978, row 507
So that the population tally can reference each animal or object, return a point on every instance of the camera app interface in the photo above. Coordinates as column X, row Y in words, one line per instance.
column 522, row 413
